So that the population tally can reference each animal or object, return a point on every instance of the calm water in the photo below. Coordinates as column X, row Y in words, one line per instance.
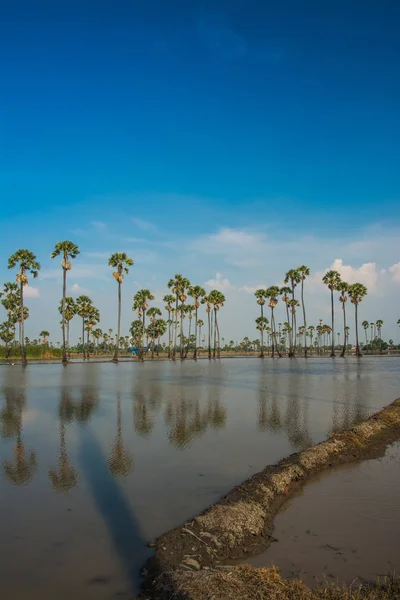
column 97, row 459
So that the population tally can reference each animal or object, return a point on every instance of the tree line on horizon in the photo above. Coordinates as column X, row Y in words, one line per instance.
column 286, row 339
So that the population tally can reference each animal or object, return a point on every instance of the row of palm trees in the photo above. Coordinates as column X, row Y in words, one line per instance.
column 332, row 279
column 176, row 305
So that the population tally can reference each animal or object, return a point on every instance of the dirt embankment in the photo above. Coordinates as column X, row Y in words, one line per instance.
column 241, row 523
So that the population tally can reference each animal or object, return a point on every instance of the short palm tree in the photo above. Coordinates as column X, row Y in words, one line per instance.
column 379, row 324
column 357, row 291
column 68, row 250
column 292, row 278
column 141, row 303
column 284, row 292
column 272, row 294
column 207, row 301
column 197, row 293
column 261, row 325
column 332, row 280
column 343, row 288
column 68, row 307
column 83, row 310
column 365, row 326
column 153, row 313
column 304, row 272
column 120, row 261
column 200, row 324
column 27, row 263
column 44, row 335
column 92, row 320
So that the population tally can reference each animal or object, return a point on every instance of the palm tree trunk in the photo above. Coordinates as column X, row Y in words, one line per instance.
column 333, row 327
column 176, row 328
column 87, row 344
column 83, row 338
column 209, row 335
column 199, row 339
column 115, row 359
column 218, row 339
column 169, row 334
column 195, row 333
column 23, row 354
column 274, row 331
column 262, row 332
column 143, row 335
column 182, row 333
column 289, row 333
column 358, row 353
column 304, row 318
column 64, row 354
column 68, row 336
column 343, row 352
column 190, row 330
column 215, row 333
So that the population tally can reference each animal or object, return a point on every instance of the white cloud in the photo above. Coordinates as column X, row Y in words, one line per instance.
column 219, row 283
column 368, row 274
column 395, row 271
column 143, row 225
column 31, row 292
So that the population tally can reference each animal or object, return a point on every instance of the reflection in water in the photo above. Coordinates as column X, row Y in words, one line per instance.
column 350, row 404
column 21, row 469
column 120, row 461
column 65, row 478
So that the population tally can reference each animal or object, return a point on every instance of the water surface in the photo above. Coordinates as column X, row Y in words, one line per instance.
column 97, row 459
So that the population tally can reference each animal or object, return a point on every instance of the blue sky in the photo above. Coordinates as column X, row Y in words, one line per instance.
column 235, row 138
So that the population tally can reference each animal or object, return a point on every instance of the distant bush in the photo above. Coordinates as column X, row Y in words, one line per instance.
column 42, row 352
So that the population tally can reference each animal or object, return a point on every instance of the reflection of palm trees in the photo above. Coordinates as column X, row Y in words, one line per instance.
column 120, row 461
column 66, row 477
column 21, row 469
column 142, row 419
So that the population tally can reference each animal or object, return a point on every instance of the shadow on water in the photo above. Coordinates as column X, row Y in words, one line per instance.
column 111, row 503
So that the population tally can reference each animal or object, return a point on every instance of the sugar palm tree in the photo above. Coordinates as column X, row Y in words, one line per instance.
column 141, row 303
column 365, row 325
column 293, row 304
column 272, row 294
column 169, row 299
column 178, row 285
column 343, row 288
column 200, row 324
column 332, row 280
column 284, row 292
column 189, row 309
column 357, row 291
column 261, row 325
column 120, row 261
column 44, row 335
column 196, row 292
column 92, row 320
column 260, row 295
column 304, row 272
column 27, row 263
column 83, row 310
column 207, row 301
column 68, row 307
column 379, row 324
column 292, row 278
column 68, row 250
column 153, row 313
column 217, row 299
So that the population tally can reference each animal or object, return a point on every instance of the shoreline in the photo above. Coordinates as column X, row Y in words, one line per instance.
column 242, row 522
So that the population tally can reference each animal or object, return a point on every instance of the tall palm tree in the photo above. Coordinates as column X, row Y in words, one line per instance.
column 120, row 261
column 293, row 304
column 260, row 296
column 284, row 292
column 68, row 307
column 27, row 263
column 178, row 286
column 169, row 299
column 217, row 299
column 343, row 288
column 83, row 310
column 196, row 292
column 332, row 280
column 292, row 277
column 365, row 325
column 272, row 294
column 189, row 308
column 68, row 250
column 141, row 303
column 304, row 272
column 357, row 291
column 207, row 301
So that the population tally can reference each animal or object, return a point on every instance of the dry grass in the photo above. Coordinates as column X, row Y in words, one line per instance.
column 248, row 583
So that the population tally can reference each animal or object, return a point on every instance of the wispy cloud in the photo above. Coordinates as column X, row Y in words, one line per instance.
column 31, row 292
column 143, row 225
column 98, row 224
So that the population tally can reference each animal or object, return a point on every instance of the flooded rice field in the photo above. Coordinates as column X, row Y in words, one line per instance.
column 344, row 525
column 98, row 459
